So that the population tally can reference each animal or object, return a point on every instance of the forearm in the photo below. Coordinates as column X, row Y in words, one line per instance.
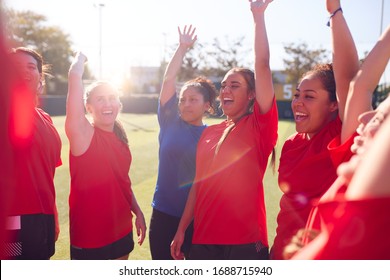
column 75, row 101
column 263, row 75
column 175, row 63
column 375, row 63
column 363, row 85
column 173, row 68
column 135, row 208
column 262, row 52
column 345, row 58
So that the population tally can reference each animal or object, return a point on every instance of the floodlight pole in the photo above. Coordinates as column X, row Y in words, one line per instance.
column 100, row 40
column 381, row 27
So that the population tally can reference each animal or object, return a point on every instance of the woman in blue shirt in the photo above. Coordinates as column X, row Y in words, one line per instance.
column 181, row 124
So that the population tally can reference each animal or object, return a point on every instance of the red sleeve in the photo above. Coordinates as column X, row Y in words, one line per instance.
column 340, row 153
column 356, row 229
column 268, row 125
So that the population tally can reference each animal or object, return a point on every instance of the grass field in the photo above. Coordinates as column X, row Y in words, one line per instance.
column 142, row 130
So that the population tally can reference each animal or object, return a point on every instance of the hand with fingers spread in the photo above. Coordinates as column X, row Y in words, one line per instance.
column 187, row 37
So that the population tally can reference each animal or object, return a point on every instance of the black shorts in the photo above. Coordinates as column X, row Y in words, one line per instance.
column 112, row 251
column 251, row 251
column 32, row 239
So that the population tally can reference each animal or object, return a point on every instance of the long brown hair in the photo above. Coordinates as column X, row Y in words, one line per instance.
column 120, row 132
column 118, row 127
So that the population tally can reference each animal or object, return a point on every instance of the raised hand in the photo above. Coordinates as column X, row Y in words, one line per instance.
column 187, row 37
column 77, row 66
column 259, row 6
column 80, row 56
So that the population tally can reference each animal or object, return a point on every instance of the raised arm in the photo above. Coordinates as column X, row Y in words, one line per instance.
column 263, row 76
column 186, row 40
column 344, row 53
column 77, row 127
column 365, row 82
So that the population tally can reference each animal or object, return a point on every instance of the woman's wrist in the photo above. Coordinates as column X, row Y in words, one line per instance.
column 138, row 213
column 339, row 9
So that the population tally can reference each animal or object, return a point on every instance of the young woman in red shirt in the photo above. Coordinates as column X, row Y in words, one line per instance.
column 32, row 221
column 101, row 201
column 307, row 168
column 226, row 200
column 336, row 206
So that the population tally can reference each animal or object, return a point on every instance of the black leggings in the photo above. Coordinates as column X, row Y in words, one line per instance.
column 162, row 229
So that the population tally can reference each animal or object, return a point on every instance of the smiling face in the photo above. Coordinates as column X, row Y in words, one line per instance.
column 312, row 106
column 27, row 67
column 192, row 105
column 235, row 96
column 370, row 122
column 104, row 105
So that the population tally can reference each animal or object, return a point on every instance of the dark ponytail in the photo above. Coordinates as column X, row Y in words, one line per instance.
column 206, row 88
column 272, row 163
column 120, row 132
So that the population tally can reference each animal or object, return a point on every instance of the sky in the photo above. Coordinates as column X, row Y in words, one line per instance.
column 142, row 32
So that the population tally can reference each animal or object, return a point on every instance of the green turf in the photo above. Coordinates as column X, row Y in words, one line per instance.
column 142, row 131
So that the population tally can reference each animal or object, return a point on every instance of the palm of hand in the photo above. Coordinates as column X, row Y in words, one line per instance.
column 187, row 37
column 186, row 40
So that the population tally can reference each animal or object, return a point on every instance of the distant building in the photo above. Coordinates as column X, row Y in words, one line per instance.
column 145, row 79
column 279, row 76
